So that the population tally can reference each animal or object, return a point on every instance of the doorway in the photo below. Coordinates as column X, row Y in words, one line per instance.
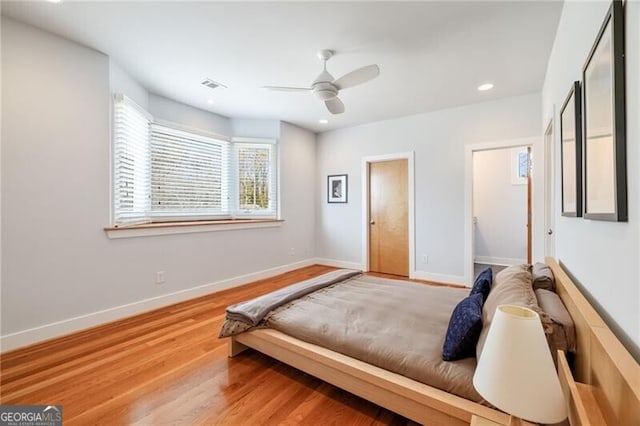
column 388, row 216
column 525, row 228
column 501, row 208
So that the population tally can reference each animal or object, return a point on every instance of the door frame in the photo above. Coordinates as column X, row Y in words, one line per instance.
column 537, row 180
column 366, row 161
column 549, row 188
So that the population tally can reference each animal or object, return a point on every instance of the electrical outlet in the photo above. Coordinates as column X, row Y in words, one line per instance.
column 425, row 258
column 293, row 251
column 160, row 277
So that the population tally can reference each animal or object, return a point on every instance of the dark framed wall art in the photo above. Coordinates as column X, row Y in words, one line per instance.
column 571, row 152
column 337, row 188
column 605, row 162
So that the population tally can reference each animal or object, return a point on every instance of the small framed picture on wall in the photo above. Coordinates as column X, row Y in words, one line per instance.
column 337, row 189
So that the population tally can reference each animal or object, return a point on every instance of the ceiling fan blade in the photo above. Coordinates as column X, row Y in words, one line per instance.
column 335, row 106
column 286, row 89
column 358, row 76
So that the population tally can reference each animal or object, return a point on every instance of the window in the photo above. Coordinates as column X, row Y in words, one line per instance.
column 131, row 162
column 256, row 178
column 520, row 165
column 163, row 173
column 188, row 175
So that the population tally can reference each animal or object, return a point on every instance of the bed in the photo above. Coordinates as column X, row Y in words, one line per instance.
column 605, row 385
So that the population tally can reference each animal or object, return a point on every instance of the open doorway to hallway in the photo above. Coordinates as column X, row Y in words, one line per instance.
column 501, row 208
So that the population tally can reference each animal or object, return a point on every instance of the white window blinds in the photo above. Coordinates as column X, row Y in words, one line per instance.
column 131, row 162
column 165, row 173
column 188, row 174
column 256, row 185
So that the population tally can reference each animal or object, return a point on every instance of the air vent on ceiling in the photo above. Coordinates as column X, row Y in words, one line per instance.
column 212, row 84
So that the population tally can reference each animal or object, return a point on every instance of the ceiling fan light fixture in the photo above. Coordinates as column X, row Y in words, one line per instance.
column 325, row 95
column 325, row 91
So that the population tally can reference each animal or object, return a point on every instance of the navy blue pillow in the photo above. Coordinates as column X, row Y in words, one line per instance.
column 482, row 285
column 464, row 329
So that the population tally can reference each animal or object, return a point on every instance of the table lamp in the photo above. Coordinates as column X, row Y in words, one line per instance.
column 515, row 371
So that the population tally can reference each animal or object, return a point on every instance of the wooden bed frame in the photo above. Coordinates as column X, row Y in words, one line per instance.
column 604, row 388
column 607, row 390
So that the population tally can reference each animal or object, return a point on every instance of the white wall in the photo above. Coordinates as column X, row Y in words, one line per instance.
column 603, row 256
column 500, row 209
column 439, row 140
column 162, row 108
column 121, row 82
column 251, row 128
column 60, row 271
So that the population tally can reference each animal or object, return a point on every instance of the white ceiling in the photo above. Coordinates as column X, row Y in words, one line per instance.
column 432, row 55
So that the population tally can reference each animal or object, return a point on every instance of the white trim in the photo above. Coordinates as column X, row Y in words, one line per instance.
column 549, row 189
column 71, row 325
column 278, row 186
column 190, row 229
column 270, row 141
column 409, row 156
column 440, row 278
column 538, row 161
column 121, row 97
column 338, row 263
column 501, row 261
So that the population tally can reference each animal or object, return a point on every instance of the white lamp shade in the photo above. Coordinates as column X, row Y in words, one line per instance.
column 515, row 371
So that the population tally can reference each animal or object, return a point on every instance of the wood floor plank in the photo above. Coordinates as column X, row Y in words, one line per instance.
column 168, row 366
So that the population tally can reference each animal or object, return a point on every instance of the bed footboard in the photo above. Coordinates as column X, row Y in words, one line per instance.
column 407, row 397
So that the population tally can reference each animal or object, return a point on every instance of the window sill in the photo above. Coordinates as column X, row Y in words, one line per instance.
column 168, row 228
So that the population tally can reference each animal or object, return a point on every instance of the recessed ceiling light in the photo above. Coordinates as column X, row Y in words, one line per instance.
column 54, row 1
column 323, row 121
column 210, row 101
column 485, row 87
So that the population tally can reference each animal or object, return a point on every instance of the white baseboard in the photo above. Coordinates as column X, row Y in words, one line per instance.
column 71, row 325
column 502, row 261
column 439, row 278
column 339, row 263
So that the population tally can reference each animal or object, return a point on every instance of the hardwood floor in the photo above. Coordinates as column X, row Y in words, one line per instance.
column 169, row 367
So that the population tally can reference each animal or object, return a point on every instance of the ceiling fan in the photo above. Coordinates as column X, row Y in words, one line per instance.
column 326, row 88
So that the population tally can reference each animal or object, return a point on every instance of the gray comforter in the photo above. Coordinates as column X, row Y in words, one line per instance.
column 246, row 315
column 396, row 325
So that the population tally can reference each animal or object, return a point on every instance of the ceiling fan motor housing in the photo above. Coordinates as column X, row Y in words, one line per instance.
column 325, row 91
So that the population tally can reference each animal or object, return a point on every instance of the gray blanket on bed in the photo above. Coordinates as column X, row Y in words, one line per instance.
column 396, row 325
column 248, row 314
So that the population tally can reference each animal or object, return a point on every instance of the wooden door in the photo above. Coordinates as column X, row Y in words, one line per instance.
column 389, row 217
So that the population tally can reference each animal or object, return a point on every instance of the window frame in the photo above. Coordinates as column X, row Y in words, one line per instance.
column 234, row 190
column 158, row 220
